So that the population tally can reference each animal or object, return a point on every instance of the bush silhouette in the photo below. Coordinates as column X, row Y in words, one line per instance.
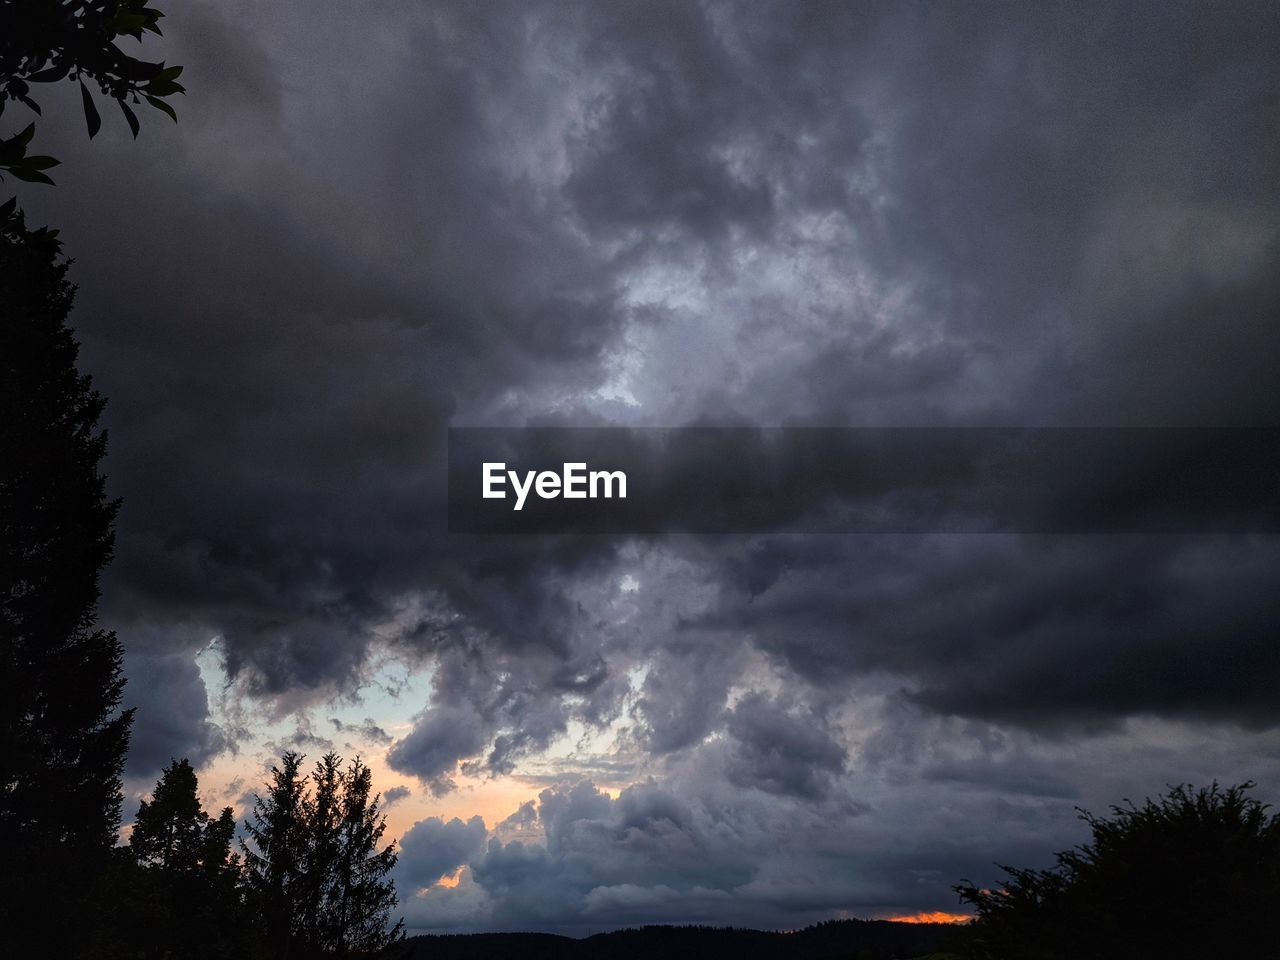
column 1195, row 873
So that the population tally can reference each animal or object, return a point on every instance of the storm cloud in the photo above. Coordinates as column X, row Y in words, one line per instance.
column 373, row 224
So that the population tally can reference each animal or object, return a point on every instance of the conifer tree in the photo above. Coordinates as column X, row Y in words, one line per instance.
column 362, row 896
column 62, row 735
column 274, row 854
column 216, row 858
column 316, row 864
column 169, row 830
column 185, row 895
column 323, row 812
column 174, row 834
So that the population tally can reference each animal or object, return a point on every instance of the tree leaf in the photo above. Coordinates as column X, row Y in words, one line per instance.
column 40, row 162
column 131, row 117
column 91, row 118
column 51, row 74
column 30, row 176
column 161, row 87
column 14, row 149
column 162, row 106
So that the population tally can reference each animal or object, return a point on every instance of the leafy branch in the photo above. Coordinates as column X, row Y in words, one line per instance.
column 48, row 41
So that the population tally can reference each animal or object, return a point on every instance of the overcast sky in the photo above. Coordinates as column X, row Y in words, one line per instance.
column 377, row 220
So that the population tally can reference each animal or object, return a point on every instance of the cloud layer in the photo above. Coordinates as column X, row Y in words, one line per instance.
column 370, row 226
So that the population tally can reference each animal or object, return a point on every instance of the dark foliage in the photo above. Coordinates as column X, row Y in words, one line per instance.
column 62, row 736
column 173, row 834
column 45, row 41
column 313, row 883
column 1180, row 876
column 180, row 891
column 319, row 883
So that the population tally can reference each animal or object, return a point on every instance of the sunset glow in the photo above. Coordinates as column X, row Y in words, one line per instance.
column 936, row 916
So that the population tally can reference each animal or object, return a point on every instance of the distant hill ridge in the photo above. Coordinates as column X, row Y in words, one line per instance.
column 833, row 940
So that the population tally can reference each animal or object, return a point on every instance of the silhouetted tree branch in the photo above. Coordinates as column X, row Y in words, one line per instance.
column 46, row 41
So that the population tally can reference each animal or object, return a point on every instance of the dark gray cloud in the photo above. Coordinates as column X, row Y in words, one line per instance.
column 1055, row 630
column 367, row 228
column 366, row 730
column 394, row 795
column 301, row 365
column 782, row 751
column 303, row 739
column 683, row 696
column 441, row 738
column 171, row 721
column 434, row 848
column 598, row 850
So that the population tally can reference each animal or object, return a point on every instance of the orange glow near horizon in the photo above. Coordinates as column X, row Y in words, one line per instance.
column 936, row 916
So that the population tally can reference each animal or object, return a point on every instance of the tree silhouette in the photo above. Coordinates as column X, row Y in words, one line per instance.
column 45, row 41
column 179, row 892
column 323, row 814
column 1180, row 876
column 62, row 736
column 173, row 834
column 275, row 853
column 359, row 896
column 321, row 884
